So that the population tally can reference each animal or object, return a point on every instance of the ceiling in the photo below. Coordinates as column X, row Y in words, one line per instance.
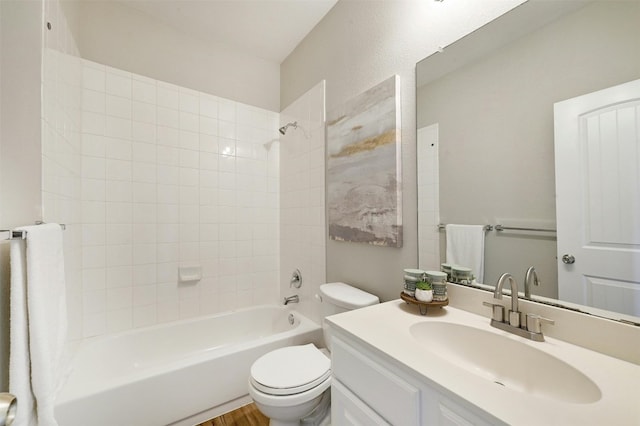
column 268, row 29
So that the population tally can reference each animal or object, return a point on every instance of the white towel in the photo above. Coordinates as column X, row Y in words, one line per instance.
column 465, row 247
column 38, row 324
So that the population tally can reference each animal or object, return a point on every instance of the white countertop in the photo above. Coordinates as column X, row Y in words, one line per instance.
column 385, row 327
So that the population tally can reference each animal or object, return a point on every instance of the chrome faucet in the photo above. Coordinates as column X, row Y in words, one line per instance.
column 530, row 278
column 514, row 314
column 291, row 299
column 530, row 325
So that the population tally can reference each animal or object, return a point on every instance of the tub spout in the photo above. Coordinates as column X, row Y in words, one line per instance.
column 291, row 299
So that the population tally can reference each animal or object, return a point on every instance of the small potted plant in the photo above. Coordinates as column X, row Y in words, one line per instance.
column 424, row 291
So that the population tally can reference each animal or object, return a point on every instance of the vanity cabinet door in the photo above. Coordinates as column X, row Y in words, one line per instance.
column 442, row 411
column 375, row 383
column 348, row 410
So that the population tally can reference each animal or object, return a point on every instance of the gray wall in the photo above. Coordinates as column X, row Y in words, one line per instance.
column 122, row 37
column 20, row 156
column 496, row 128
column 356, row 46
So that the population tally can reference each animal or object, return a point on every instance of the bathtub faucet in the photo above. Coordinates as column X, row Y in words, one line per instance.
column 291, row 299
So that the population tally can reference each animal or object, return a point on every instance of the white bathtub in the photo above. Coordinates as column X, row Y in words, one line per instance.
column 180, row 373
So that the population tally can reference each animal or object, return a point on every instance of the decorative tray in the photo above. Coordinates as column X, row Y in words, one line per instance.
column 422, row 306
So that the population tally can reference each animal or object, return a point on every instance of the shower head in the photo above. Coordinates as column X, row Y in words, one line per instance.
column 284, row 128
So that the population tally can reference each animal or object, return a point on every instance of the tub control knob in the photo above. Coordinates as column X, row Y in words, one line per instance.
column 8, row 407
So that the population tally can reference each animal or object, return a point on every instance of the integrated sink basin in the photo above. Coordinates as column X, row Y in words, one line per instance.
column 506, row 361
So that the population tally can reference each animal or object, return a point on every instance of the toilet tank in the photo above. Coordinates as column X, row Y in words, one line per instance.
column 339, row 297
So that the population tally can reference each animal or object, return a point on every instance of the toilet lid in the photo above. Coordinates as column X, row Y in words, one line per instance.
column 290, row 370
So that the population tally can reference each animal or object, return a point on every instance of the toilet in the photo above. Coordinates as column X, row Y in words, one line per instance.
column 292, row 383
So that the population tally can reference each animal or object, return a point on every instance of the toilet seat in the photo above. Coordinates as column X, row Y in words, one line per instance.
column 290, row 370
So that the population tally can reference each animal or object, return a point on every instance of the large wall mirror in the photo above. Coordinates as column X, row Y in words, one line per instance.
column 485, row 119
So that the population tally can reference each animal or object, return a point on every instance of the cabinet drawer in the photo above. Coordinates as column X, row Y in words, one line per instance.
column 387, row 394
column 348, row 410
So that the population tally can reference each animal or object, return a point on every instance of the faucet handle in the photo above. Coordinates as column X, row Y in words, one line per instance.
column 497, row 311
column 534, row 322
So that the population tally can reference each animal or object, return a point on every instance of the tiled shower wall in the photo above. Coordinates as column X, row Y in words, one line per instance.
column 302, row 194
column 173, row 177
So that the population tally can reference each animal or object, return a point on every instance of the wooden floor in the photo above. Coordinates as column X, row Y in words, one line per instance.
column 249, row 415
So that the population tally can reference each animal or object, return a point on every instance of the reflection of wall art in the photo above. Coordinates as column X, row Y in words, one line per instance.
column 364, row 177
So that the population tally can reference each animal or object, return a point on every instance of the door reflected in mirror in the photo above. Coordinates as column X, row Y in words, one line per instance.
column 487, row 106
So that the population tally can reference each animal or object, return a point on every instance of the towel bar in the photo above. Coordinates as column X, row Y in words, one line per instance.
column 21, row 235
column 442, row 226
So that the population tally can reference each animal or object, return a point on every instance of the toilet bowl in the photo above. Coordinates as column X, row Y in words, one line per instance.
column 288, row 384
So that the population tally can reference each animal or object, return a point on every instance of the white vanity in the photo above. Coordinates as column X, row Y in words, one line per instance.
column 450, row 367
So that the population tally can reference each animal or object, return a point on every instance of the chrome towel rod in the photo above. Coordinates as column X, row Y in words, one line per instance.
column 442, row 226
column 513, row 228
column 21, row 235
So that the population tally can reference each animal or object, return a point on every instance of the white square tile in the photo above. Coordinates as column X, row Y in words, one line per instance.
column 210, row 250
column 208, row 196
column 189, row 252
column 168, row 233
column 189, row 140
column 144, row 254
column 144, row 152
column 209, row 232
column 227, row 129
column 93, row 78
column 189, row 121
column 168, row 156
column 208, row 161
column 144, row 213
column 168, row 213
column 143, row 132
column 119, row 234
column 189, row 195
column 118, row 212
column 93, row 234
column 93, row 257
column 167, row 272
column 119, row 255
column 93, row 101
column 189, row 214
column 143, row 112
column 93, row 189
column 93, row 211
column 119, row 276
column 118, row 85
column 208, row 143
column 209, row 126
column 118, row 106
column 144, row 91
column 144, row 192
column 119, row 149
column 189, row 158
column 168, row 252
column 168, row 136
column 167, row 311
column 93, row 123
column 119, row 320
column 93, row 145
column 144, row 295
column 118, row 191
column 119, row 298
column 189, row 101
column 145, row 234
column 167, row 97
column 208, row 106
column 227, row 110
column 118, row 170
column 144, row 172
column 144, row 275
column 168, row 117
column 94, row 301
column 118, row 127
column 169, row 175
column 189, row 177
column 94, row 324
column 93, row 278
column 144, row 316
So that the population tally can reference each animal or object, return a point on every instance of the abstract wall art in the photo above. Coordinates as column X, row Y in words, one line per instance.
column 364, row 176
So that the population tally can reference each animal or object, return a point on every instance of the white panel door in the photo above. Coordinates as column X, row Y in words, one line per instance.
column 597, row 152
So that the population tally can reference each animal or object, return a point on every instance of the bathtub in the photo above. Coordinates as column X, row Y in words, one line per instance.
column 180, row 373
